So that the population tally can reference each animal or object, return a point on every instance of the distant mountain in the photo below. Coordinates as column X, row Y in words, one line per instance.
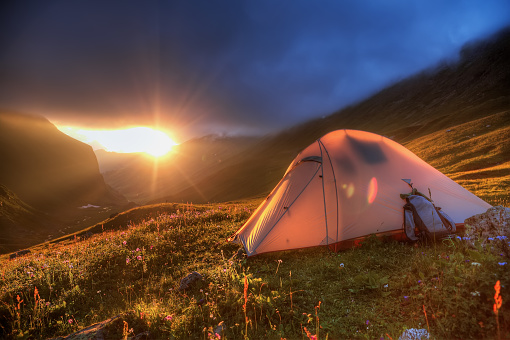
column 48, row 169
column 460, row 96
column 142, row 178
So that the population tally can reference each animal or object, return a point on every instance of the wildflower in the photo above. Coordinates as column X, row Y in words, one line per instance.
column 502, row 263
column 419, row 281
column 127, row 260
column 124, row 243
column 475, row 293
column 341, row 265
column 367, row 322
column 501, row 237
column 491, row 238
column 70, row 321
column 476, row 264
column 137, row 249
column 138, row 257
column 406, row 297
column 497, row 297
column 386, row 286
column 459, row 238
column 168, row 318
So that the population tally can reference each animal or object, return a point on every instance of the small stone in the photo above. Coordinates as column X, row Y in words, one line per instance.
column 220, row 328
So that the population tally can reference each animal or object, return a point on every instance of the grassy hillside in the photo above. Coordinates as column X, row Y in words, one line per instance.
column 453, row 96
column 134, row 272
column 475, row 154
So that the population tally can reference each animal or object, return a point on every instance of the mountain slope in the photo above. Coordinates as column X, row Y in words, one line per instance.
column 48, row 169
column 20, row 224
column 141, row 177
column 446, row 97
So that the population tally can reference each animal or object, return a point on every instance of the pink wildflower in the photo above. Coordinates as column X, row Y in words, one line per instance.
column 70, row 320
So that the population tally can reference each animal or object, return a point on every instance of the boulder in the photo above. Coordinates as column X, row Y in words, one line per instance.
column 189, row 280
column 494, row 222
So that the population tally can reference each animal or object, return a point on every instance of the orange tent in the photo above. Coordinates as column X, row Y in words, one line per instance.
column 343, row 187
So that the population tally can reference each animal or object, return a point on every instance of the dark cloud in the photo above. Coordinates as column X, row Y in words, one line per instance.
column 221, row 66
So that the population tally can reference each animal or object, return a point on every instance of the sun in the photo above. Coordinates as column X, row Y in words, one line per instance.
column 136, row 139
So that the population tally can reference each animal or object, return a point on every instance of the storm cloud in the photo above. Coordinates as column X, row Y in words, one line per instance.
column 200, row 66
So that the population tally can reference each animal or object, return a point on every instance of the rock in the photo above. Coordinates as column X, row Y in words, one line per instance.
column 414, row 334
column 142, row 336
column 19, row 253
column 87, row 235
column 190, row 279
column 495, row 221
column 239, row 255
column 220, row 329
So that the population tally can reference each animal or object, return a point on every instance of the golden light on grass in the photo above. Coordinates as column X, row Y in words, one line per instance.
column 135, row 139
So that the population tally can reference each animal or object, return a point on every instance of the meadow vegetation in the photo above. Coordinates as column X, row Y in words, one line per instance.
column 375, row 291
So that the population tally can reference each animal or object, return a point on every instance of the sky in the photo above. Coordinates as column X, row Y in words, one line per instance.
column 196, row 67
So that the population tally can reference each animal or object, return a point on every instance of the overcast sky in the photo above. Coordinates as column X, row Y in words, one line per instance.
column 218, row 66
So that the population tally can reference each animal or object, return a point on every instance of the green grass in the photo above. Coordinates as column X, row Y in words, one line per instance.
column 375, row 291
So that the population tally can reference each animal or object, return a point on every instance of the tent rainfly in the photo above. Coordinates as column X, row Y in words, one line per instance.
column 344, row 187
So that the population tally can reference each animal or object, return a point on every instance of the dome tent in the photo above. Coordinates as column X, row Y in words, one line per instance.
column 345, row 186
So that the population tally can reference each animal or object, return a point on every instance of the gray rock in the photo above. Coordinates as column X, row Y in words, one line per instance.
column 220, row 329
column 414, row 334
column 495, row 219
column 190, row 279
column 492, row 223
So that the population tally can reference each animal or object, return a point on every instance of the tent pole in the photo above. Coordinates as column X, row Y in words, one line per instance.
column 334, row 181
column 324, row 193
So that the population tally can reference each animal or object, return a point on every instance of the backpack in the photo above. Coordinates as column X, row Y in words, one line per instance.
column 423, row 220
